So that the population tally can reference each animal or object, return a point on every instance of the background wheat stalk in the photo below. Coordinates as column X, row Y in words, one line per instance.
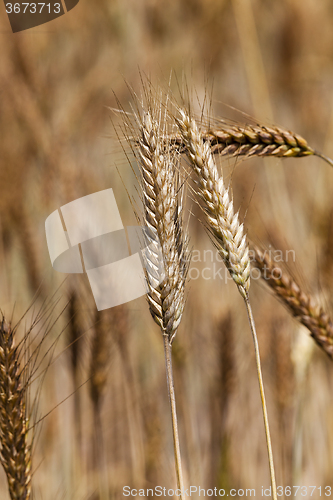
column 98, row 372
column 228, row 236
column 15, row 454
column 301, row 305
column 162, row 206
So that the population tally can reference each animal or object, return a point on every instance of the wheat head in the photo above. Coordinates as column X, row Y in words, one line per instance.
column 228, row 232
column 252, row 140
column 257, row 140
column 162, row 197
column 162, row 202
column 228, row 235
column 15, row 452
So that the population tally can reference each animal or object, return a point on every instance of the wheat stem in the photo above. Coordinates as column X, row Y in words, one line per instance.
column 324, row 157
column 262, row 396
column 172, row 400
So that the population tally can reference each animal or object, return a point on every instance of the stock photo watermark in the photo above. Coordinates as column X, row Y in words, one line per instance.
column 198, row 491
column 25, row 15
column 87, row 236
column 208, row 264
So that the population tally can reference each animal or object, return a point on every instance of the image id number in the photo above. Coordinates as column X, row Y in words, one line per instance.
column 32, row 8
column 304, row 491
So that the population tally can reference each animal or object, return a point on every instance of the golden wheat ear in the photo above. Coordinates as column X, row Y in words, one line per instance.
column 227, row 234
column 162, row 197
column 260, row 140
column 24, row 361
column 254, row 140
column 257, row 140
column 15, row 453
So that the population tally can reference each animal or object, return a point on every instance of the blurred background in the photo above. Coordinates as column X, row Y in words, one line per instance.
column 270, row 60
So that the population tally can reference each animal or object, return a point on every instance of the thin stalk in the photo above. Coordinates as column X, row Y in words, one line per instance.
column 172, row 399
column 324, row 157
column 262, row 395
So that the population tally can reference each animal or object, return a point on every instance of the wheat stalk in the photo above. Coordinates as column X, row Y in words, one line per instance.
column 301, row 305
column 15, row 453
column 228, row 236
column 75, row 333
column 99, row 361
column 98, row 373
column 162, row 206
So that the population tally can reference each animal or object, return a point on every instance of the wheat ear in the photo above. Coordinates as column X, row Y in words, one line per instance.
column 227, row 231
column 15, row 453
column 228, row 236
column 301, row 305
column 162, row 202
column 255, row 140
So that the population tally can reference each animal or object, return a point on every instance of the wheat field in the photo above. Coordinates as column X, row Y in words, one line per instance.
column 97, row 398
